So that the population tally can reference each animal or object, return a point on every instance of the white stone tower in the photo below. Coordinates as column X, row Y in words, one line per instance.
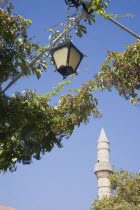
column 103, row 168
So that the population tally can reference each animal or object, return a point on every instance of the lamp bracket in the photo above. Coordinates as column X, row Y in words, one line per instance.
column 73, row 3
column 77, row 3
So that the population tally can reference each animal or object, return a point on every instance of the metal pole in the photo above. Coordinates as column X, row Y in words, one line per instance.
column 114, row 21
column 123, row 27
column 47, row 48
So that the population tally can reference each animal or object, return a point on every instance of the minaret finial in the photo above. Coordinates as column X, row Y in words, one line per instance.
column 103, row 168
column 102, row 136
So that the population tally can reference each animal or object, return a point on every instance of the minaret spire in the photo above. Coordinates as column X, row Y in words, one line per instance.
column 103, row 136
column 103, row 168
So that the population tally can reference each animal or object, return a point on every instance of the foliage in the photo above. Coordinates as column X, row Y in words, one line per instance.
column 122, row 71
column 16, row 49
column 30, row 126
column 99, row 6
column 92, row 8
column 125, row 188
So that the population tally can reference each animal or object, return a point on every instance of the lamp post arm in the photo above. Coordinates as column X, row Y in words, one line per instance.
column 115, row 22
column 87, row 3
column 48, row 47
column 124, row 28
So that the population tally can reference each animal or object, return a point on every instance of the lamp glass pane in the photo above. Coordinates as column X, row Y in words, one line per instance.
column 60, row 57
column 74, row 58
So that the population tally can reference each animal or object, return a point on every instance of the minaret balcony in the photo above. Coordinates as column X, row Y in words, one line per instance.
column 103, row 167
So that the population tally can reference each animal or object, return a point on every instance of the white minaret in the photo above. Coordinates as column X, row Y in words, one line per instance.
column 103, row 168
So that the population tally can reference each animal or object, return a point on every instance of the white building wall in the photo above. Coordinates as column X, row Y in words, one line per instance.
column 103, row 154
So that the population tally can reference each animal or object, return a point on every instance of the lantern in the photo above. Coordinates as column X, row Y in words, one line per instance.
column 66, row 58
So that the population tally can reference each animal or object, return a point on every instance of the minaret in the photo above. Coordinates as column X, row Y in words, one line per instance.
column 103, row 168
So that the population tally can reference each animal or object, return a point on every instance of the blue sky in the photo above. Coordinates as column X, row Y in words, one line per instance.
column 64, row 178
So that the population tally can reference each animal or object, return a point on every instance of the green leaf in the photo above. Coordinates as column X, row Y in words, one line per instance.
column 38, row 73
column 74, row 90
column 51, row 30
column 79, row 33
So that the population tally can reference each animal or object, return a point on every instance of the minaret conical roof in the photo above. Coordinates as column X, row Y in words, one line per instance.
column 102, row 136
